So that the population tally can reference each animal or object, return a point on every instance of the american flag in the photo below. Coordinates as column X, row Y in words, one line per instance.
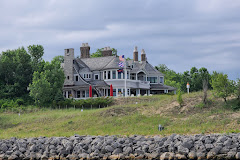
column 120, row 70
column 121, row 58
column 121, row 64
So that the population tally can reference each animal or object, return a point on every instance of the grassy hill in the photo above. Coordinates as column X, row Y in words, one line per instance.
column 128, row 118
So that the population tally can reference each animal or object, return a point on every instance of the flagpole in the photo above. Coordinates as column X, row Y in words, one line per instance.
column 125, row 68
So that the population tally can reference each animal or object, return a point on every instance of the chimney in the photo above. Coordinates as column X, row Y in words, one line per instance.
column 135, row 54
column 143, row 56
column 85, row 49
column 107, row 51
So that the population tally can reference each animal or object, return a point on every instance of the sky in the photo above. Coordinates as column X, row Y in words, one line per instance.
column 179, row 33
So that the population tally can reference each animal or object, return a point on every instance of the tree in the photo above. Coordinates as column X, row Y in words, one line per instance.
column 98, row 53
column 47, row 85
column 179, row 98
column 204, row 74
column 36, row 52
column 222, row 86
column 237, row 91
column 15, row 73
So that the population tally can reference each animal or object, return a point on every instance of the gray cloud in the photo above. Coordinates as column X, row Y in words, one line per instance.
column 180, row 34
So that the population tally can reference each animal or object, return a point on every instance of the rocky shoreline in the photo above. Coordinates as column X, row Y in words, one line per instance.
column 214, row 146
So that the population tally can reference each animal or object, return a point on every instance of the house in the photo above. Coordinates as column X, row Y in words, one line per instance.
column 101, row 72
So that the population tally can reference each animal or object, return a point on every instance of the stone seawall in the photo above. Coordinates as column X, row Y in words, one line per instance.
column 213, row 146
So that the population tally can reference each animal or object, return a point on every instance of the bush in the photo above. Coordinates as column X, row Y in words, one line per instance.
column 179, row 98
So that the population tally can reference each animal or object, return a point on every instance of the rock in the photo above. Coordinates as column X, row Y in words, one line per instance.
column 201, row 155
column 237, row 155
column 4, row 148
column 114, row 157
column 109, row 148
column 180, row 156
column 167, row 156
column 211, row 155
column 231, row 155
column 183, row 150
column 117, row 151
column 192, row 155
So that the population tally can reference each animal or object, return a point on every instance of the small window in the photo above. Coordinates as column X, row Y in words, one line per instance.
column 119, row 75
column 76, row 78
column 67, row 50
column 161, row 79
column 109, row 74
column 67, row 77
column 113, row 74
column 96, row 76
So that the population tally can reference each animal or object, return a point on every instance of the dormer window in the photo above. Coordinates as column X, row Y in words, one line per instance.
column 96, row 77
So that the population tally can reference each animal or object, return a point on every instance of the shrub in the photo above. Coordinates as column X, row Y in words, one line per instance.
column 179, row 98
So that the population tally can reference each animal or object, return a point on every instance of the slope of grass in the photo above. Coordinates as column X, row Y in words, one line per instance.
column 127, row 118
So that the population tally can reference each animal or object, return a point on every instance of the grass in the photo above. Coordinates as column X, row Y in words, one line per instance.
column 128, row 118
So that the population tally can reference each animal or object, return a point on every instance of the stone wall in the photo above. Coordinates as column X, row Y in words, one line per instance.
column 112, row 147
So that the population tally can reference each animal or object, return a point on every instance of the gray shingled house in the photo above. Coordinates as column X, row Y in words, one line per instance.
column 101, row 72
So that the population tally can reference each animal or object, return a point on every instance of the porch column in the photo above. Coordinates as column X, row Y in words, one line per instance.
column 149, row 92
column 66, row 94
column 136, row 77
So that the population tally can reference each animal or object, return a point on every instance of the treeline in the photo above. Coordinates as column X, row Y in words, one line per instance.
column 25, row 78
column 201, row 80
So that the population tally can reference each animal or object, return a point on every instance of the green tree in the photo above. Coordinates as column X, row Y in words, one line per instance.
column 179, row 98
column 36, row 52
column 237, row 91
column 47, row 85
column 15, row 73
column 98, row 53
column 222, row 86
column 204, row 75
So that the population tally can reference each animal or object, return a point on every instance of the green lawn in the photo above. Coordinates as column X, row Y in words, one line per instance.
column 127, row 118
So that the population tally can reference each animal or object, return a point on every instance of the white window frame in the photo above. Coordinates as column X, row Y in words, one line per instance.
column 95, row 76
column 160, row 80
column 151, row 77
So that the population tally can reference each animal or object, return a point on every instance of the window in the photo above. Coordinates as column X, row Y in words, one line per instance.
column 127, row 74
column 78, row 94
column 114, row 92
column 109, row 74
column 67, row 77
column 161, row 79
column 67, row 50
column 123, row 74
column 83, row 94
column 88, row 76
column 76, row 78
column 96, row 76
column 113, row 74
column 119, row 91
column 105, row 74
column 119, row 75
column 152, row 79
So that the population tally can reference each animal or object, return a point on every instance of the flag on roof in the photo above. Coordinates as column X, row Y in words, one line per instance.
column 121, row 64
column 121, row 58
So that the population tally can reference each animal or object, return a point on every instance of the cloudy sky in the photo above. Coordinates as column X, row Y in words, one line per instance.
column 178, row 33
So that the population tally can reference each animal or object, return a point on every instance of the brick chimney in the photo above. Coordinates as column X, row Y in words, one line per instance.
column 135, row 54
column 107, row 51
column 85, row 50
column 143, row 56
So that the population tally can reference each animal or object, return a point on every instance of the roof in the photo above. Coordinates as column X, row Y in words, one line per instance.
column 100, row 63
column 161, row 86
column 145, row 66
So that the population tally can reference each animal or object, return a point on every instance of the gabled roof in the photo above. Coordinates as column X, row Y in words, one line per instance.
column 145, row 66
column 100, row 63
